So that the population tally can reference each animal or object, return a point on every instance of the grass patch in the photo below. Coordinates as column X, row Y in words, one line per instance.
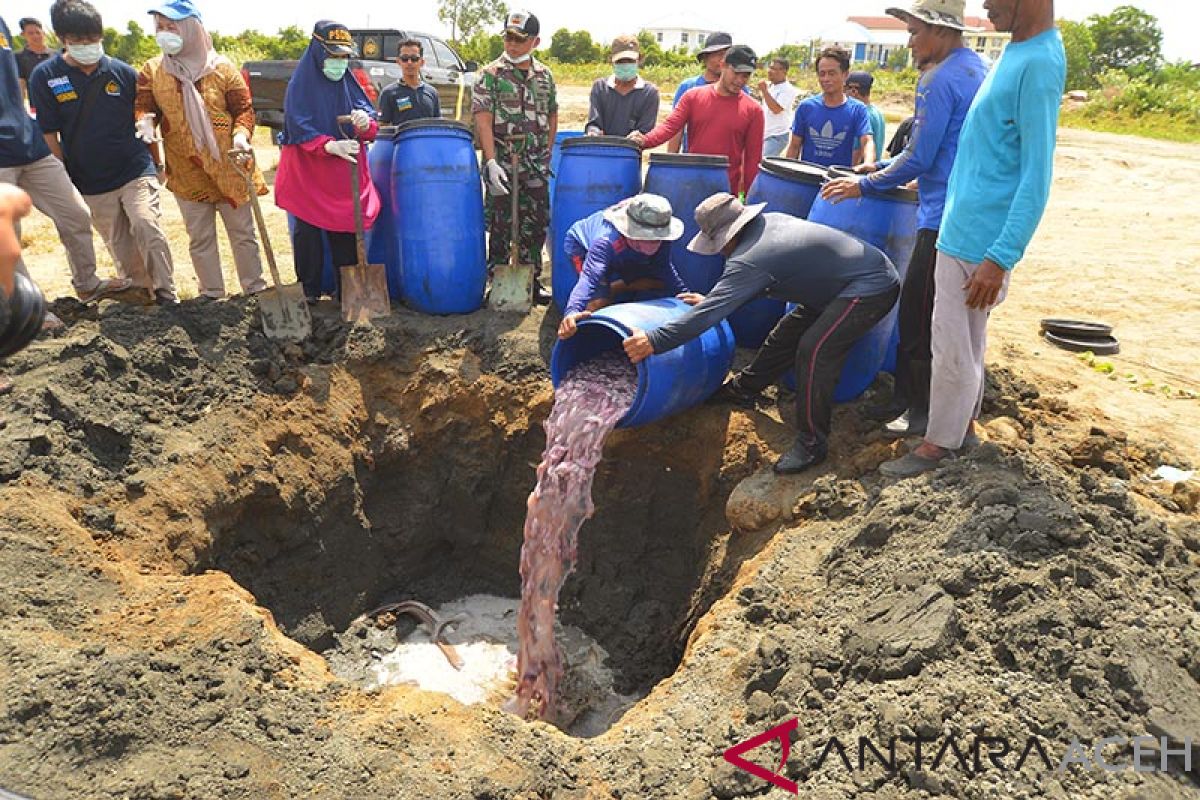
column 1152, row 126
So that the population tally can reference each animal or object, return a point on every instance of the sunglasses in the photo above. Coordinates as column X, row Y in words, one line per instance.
column 410, row 59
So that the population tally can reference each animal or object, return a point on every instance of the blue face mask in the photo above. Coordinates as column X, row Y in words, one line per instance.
column 335, row 68
column 625, row 72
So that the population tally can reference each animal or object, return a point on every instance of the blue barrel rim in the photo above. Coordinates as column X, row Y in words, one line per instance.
column 794, row 170
column 444, row 124
column 624, row 332
column 386, row 132
column 617, row 142
column 899, row 193
column 688, row 160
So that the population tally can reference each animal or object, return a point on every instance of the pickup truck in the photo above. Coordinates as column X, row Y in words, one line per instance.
column 375, row 69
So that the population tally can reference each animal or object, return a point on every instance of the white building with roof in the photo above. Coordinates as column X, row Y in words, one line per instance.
column 874, row 39
column 687, row 31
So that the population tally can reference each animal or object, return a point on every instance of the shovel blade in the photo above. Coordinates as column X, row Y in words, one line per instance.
column 284, row 313
column 512, row 288
column 364, row 292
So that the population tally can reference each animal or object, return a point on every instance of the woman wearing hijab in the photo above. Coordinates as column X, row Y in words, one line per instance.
column 313, row 181
column 203, row 109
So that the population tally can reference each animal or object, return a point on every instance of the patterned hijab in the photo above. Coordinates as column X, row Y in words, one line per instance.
column 193, row 62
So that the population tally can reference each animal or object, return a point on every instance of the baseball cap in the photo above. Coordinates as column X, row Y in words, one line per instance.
column 522, row 23
column 624, row 47
column 176, row 10
column 863, row 80
column 741, row 58
column 335, row 38
column 718, row 40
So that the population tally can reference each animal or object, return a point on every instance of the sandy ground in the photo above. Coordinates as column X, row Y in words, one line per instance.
column 1117, row 244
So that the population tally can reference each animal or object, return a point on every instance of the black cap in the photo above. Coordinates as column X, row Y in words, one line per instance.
column 741, row 58
column 862, row 80
column 335, row 38
column 522, row 23
column 718, row 40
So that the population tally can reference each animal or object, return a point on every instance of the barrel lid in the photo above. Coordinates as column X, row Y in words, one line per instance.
column 899, row 193
column 601, row 141
column 386, row 132
column 689, row 160
column 417, row 124
column 793, row 170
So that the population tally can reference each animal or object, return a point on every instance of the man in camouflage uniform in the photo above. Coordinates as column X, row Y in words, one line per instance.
column 516, row 109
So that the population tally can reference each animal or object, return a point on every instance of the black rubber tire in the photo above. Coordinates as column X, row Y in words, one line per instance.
column 1077, row 328
column 1100, row 345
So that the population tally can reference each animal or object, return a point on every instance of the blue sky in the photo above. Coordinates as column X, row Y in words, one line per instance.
column 757, row 22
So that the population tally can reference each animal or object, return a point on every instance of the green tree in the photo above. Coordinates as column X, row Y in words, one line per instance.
column 898, row 59
column 134, row 47
column 1080, row 47
column 1128, row 39
column 560, row 46
column 468, row 17
column 584, row 50
column 482, row 48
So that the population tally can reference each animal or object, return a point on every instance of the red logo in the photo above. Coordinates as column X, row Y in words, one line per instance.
column 734, row 756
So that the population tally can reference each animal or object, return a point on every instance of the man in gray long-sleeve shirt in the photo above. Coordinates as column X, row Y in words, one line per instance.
column 841, row 286
column 623, row 102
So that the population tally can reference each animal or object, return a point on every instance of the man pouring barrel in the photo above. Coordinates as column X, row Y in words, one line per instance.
column 841, row 287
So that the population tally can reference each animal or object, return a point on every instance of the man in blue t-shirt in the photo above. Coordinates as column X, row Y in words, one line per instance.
column 86, row 112
column 951, row 75
column 409, row 98
column 995, row 199
column 712, row 56
column 832, row 129
column 26, row 161
column 858, row 86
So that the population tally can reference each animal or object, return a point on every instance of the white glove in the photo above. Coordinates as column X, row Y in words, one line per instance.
column 346, row 149
column 145, row 128
column 360, row 119
column 242, row 142
column 496, row 177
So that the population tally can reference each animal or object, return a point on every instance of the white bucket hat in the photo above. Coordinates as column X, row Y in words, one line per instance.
column 946, row 13
column 646, row 217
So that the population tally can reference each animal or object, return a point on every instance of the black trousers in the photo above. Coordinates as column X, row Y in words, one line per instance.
column 914, row 358
column 308, row 247
column 816, row 342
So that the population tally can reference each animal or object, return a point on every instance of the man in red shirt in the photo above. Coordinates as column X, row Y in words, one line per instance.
column 721, row 120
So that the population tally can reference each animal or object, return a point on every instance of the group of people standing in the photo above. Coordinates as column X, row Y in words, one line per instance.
column 980, row 153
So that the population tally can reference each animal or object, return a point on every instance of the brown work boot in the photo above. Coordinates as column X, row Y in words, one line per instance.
column 106, row 288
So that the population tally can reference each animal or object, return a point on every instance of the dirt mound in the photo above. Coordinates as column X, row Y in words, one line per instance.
column 189, row 513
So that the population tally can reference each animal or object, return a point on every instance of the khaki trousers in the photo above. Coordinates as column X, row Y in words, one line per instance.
column 53, row 194
column 959, row 341
column 201, row 222
column 130, row 221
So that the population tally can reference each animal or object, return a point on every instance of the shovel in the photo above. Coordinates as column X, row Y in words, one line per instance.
column 364, row 286
column 283, row 309
column 512, row 283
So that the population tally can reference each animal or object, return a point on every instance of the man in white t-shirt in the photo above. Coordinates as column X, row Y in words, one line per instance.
column 778, row 100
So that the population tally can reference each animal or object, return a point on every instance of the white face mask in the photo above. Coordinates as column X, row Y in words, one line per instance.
column 86, row 54
column 518, row 59
column 171, row 43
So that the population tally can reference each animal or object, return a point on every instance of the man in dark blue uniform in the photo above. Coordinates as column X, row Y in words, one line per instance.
column 409, row 98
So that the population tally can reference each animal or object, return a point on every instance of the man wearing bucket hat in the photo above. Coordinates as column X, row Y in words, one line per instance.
column 994, row 202
column 712, row 56
column 515, row 106
column 723, row 120
column 951, row 75
column 623, row 250
column 841, row 285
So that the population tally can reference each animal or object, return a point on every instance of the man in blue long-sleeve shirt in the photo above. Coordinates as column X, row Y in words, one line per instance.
column 995, row 200
column 842, row 287
column 951, row 76
column 623, row 253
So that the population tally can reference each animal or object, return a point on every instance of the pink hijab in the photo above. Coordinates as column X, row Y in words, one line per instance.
column 193, row 62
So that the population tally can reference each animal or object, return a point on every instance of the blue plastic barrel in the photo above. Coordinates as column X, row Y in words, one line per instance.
column 688, row 179
column 328, row 279
column 595, row 172
column 788, row 187
column 668, row 382
column 437, row 199
column 889, row 223
column 383, row 241
column 556, row 156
